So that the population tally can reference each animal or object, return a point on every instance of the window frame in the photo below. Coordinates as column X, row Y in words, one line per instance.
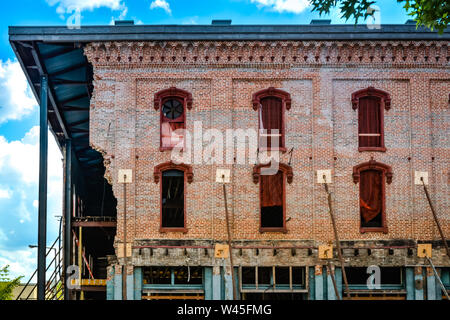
column 158, row 176
column 385, row 103
column 386, row 177
column 161, row 97
column 288, row 175
column 286, row 102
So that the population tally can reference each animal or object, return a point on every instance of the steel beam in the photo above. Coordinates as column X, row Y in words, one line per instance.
column 67, row 213
column 42, row 217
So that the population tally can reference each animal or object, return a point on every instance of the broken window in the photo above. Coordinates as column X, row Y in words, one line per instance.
column 272, row 201
column 371, row 198
column 172, row 215
column 172, row 123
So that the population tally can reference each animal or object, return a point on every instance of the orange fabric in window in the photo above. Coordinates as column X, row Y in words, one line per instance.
column 169, row 138
column 271, row 118
column 272, row 190
column 369, row 121
column 370, row 194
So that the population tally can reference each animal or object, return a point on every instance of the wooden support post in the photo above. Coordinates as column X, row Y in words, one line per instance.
column 436, row 220
column 333, row 279
column 233, row 276
column 124, row 269
column 336, row 236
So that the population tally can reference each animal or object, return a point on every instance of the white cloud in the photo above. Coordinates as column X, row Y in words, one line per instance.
column 16, row 98
column 5, row 194
column 163, row 4
column 68, row 6
column 294, row 6
column 21, row 263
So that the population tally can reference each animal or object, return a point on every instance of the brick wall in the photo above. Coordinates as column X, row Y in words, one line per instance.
column 321, row 125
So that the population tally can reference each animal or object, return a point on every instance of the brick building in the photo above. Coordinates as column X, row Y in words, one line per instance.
column 369, row 105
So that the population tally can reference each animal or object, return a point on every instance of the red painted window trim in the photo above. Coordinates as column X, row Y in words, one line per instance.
column 188, row 177
column 161, row 97
column 387, row 175
column 288, row 176
column 385, row 103
column 286, row 101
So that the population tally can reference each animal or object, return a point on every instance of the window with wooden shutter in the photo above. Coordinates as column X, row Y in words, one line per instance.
column 372, row 177
column 272, row 196
column 271, row 104
column 371, row 103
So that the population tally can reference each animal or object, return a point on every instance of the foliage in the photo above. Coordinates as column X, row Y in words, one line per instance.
column 6, row 284
column 433, row 14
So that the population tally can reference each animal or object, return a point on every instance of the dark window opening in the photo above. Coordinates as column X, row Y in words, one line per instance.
column 371, row 198
column 191, row 275
column 388, row 275
column 172, row 199
column 272, row 202
column 298, row 275
column 248, row 275
column 271, row 123
column 264, row 275
column 282, row 275
column 156, row 275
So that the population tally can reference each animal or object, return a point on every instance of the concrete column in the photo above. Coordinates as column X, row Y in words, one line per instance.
column 419, row 283
column 110, row 283
column 319, row 283
column 118, row 282
column 431, row 284
column 228, row 282
column 130, row 283
column 330, row 287
column 216, row 283
column 410, row 291
column 137, row 283
column 208, row 282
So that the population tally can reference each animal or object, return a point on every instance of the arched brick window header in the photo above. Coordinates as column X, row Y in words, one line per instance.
column 373, row 165
column 371, row 92
column 271, row 92
column 173, row 92
column 286, row 169
column 187, row 169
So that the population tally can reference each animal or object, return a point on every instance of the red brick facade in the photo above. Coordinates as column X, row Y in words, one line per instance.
column 320, row 124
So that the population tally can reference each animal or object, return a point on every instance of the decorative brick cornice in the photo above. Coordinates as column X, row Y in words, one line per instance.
column 187, row 169
column 268, row 53
column 285, row 168
column 374, row 165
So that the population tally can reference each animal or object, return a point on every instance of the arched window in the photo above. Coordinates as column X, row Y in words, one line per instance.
column 173, row 103
column 173, row 179
column 272, row 196
column 372, row 177
column 271, row 104
column 371, row 103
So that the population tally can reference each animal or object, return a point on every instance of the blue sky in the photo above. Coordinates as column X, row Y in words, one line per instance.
column 19, row 118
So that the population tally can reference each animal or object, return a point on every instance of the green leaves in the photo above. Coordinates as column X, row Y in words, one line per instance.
column 7, row 285
column 433, row 14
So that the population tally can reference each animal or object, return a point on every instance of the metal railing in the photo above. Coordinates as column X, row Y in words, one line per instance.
column 54, row 289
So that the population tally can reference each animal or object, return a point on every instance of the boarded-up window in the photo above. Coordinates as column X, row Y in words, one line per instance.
column 172, row 119
column 172, row 199
column 271, row 123
column 371, row 198
column 272, row 202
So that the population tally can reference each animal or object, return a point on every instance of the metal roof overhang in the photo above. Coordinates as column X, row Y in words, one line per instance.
column 58, row 53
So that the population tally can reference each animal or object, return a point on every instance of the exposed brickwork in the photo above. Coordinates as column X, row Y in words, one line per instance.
column 321, row 125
